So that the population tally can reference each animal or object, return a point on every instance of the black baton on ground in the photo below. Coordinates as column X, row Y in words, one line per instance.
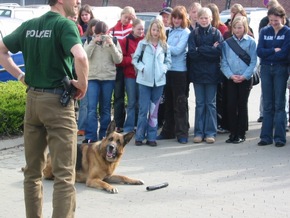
column 159, row 186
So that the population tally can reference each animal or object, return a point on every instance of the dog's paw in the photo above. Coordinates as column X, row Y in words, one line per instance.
column 113, row 190
column 136, row 182
column 140, row 182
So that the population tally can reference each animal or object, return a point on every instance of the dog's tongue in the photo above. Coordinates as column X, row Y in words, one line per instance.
column 109, row 154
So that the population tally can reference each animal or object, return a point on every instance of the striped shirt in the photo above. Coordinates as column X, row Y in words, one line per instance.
column 120, row 31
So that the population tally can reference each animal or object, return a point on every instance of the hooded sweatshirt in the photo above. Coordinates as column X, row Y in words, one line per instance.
column 268, row 41
column 129, row 45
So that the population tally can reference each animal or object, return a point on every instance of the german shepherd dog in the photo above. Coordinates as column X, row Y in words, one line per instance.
column 96, row 162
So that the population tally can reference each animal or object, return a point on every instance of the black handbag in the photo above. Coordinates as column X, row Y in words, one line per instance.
column 256, row 76
column 244, row 56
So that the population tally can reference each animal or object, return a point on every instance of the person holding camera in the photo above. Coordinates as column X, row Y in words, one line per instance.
column 103, row 53
column 49, row 45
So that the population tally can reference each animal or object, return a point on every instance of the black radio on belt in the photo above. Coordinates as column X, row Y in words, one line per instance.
column 69, row 92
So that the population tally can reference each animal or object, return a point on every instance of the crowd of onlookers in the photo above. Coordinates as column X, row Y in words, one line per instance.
column 153, row 72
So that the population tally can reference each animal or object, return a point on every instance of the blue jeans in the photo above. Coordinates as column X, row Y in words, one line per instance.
column 205, row 124
column 99, row 91
column 149, row 99
column 274, row 83
column 132, row 95
column 83, row 112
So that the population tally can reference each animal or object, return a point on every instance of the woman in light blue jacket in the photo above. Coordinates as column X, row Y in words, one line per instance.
column 151, row 60
column 175, row 91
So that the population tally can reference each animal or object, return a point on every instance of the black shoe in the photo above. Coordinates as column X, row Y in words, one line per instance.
column 221, row 130
column 263, row 143
column 238, row 140
column 279, row 144
column 231, row 139
column 260, row 120
column 182, row 140
column 138, row 143
column 151, row 143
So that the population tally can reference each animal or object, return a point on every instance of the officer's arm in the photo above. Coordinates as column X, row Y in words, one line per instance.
column 81, row 68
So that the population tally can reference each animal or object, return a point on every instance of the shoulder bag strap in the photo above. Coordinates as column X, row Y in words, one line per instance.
column 238, row 50
column 142, row 53
column 127, row 44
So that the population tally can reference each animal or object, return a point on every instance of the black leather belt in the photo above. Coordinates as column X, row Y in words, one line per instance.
column 57, row 91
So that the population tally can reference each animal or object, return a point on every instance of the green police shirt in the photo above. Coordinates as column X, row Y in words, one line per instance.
column 45, row 43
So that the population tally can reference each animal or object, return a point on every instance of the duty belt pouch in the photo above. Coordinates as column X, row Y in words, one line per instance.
column 69, row 92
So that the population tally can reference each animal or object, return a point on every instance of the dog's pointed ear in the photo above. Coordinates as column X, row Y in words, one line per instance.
column 128, row 137
column 111, row 128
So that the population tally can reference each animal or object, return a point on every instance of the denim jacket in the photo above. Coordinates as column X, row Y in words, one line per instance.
column 177, row 41
column 152, row 69
column 231, row 64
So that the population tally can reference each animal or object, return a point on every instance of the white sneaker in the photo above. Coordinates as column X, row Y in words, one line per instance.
column 197, row 139
column 210, row 140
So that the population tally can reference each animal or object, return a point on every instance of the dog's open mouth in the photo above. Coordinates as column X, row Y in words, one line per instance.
column 111, row 152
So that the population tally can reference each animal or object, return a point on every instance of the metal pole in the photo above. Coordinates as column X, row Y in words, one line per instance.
column 228, row 4
column 105, row 2
column 22, row 2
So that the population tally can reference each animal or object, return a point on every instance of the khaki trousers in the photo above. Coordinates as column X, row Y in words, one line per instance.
column 47, row 123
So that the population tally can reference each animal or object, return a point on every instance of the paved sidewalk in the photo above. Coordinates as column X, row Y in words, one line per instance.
column 10, row 143
column 205, row 180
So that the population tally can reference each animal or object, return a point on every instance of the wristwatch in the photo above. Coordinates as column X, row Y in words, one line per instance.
column 20, row 76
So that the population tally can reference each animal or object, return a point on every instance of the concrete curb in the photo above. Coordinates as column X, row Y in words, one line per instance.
column 11, row 143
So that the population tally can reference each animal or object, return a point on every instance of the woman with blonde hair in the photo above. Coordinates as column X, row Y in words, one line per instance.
column 192, row 13
column 238, row 83
column 151, row 59
column 122, row 29
column 129, row 45
column 236, row 10
column 204, row 52
column 176, row 106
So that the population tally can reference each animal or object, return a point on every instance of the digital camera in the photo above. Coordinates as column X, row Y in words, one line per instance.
column 104, row 37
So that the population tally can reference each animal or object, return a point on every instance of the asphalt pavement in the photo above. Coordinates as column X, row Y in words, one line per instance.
column 205, row 180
